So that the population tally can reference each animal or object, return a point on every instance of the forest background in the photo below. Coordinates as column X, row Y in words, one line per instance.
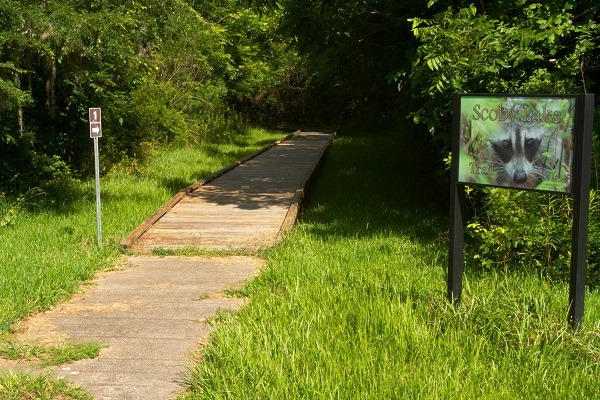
column 188, row 72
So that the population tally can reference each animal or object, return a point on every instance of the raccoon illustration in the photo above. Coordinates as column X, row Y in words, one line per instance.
column 522, row 154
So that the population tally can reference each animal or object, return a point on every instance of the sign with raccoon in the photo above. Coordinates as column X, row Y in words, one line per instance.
column 529, row 142
column 517, row 142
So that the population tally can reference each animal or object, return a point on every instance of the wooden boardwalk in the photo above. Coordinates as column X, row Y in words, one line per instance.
column 248, row 205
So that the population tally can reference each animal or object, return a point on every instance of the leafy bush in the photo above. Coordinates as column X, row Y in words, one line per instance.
column 523, row 229
column 504, row 47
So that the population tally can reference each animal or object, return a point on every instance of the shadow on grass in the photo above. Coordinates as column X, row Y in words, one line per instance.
column 379, row 184
column 213, row 151
column 62, row 197
column 174, row 185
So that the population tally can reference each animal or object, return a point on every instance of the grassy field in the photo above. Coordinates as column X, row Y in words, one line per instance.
column 352, row 304
column 48, row 241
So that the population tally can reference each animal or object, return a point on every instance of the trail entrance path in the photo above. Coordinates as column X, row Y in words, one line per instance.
column 247, row 208
column 153, row 313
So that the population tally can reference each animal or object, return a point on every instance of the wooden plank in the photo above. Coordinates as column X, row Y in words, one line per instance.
column 139, row 231
column 249, row 204
column 182, row 223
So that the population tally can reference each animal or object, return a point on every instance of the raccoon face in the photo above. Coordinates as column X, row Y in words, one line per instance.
column 517, row 158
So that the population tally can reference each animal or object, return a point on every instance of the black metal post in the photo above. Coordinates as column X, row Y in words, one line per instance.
column 457, row 228
column 581, row 199
column 455, row 265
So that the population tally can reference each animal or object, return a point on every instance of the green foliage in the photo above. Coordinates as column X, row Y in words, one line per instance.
column 508, row 47
column 347, row 48
column 523, row 230
column 530, row 231
column 261, row 63
column 166, row 72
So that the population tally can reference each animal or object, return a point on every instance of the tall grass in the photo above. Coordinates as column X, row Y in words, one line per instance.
column 352, row 304
column 48, row 243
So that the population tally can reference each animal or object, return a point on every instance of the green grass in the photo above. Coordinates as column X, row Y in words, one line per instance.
column 18, row 386
column 196, row 252
column 47, row 355
column 353, row 303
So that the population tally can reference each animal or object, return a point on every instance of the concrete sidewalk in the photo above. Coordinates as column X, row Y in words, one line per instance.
column 151, row 315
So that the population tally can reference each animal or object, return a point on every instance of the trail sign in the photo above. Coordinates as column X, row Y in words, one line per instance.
column 95, row 116
column 523, row 142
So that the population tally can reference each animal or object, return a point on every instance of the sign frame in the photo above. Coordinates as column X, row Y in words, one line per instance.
column 518, row 142
column 580, row 176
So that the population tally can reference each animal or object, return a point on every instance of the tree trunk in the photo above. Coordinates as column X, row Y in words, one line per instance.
column 50, row 82
column 17, row 83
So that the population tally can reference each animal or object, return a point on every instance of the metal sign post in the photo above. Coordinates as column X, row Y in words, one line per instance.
column 95, row 117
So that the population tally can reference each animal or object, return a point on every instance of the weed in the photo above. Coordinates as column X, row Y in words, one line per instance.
column 49, row 355
column 19, row 386
column 10, row 208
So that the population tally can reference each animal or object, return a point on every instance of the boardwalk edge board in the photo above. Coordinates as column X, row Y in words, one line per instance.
column 129, row 241
column 294, row 209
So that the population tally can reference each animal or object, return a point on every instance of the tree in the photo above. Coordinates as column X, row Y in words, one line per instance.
column 349, row 47
column 509, row 46
column 156, row 68
column 260, row 75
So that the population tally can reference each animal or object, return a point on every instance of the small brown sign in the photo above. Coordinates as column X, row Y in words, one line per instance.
column 95, row 115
